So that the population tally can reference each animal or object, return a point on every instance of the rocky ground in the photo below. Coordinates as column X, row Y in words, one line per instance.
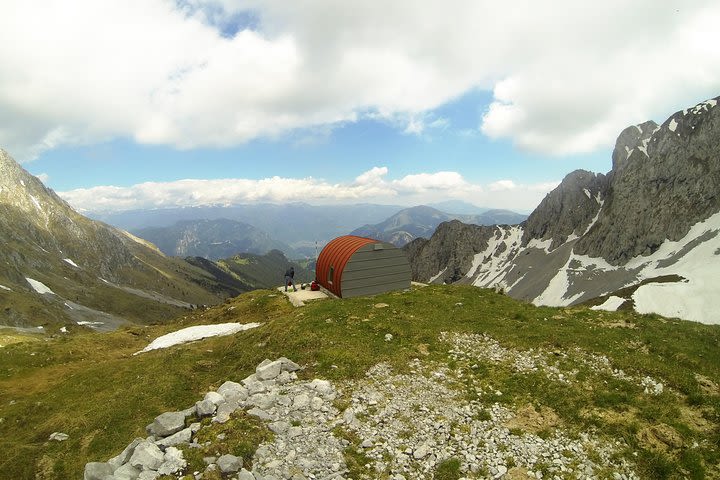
column 397, row 425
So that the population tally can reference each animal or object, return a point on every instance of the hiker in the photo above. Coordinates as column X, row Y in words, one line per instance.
column 289, row 274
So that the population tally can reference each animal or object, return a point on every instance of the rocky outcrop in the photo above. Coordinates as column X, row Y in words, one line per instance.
column 568, row 210
column 660, row 190
column 596, row 234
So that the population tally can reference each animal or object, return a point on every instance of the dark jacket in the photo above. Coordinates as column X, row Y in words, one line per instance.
column 290, row 272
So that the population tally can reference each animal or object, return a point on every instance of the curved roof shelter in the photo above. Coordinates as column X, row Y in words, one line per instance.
column 351, row 266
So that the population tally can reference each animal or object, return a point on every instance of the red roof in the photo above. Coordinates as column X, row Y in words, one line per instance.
column 336, row 254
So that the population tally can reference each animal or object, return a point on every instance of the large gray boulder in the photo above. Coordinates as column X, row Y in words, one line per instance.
column 183, row 436
column 233, row 392
column 167, row 423
column 126, row 472
column 124, row 457
column 97, row 471
column 147, row 456
column 173, row 462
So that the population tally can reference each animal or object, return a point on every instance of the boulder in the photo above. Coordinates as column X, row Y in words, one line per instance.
column 124, row 457
column 205, row 408
column 214, row 397
column 245, row 475
column 59, row 436
column 126, row 472
column 323, row 387
column 288, row 365
column 173, row 462
column 148, row 475
column 167, row 423
column 268, row 371
column 183, row 436
column 147, row 456
column 97, row 471
column 229, row 463
column 233, row 392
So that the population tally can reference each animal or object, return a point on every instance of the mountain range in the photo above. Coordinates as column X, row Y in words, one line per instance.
column 643, row 236
column 421, row 221
column 211, row 239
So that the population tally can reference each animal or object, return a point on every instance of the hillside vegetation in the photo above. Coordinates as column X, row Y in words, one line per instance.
column 597, row 373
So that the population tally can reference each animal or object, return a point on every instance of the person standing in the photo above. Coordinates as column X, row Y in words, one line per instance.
column 289, row 275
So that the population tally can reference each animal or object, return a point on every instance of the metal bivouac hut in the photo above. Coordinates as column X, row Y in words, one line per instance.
column 351, row 266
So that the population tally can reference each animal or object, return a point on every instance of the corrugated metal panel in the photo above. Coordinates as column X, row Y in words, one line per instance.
column 371, row 271
column 336, row 255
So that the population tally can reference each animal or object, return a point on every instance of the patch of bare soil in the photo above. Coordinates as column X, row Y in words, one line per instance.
column 518, row 473
column 706, row 385
column 530, row 420
column 660, row 437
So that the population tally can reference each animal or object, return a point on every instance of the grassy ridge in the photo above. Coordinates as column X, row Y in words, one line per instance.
column 91, row 387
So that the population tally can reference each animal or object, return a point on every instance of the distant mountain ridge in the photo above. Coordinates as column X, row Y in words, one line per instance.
column 211, row 239
column 60, row 268
column 650, row 227
column 421, row 222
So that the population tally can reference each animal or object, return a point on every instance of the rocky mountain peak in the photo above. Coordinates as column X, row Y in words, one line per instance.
column 630, row 139
column 569, row 210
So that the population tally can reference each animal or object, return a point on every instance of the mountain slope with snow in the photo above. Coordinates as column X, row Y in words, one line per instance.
column 649, row 227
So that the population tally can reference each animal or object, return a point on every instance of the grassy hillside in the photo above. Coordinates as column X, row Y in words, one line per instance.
column 92, row 388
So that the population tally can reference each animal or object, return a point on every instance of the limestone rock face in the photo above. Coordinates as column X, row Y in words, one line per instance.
column 658, row 193
column 567, row 210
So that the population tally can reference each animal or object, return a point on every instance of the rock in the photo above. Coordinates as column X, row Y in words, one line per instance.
column 256, row 387
column 288, row 365
column 147, row 456
column 214, row 397
column 421, row 452
column 301, row 401
column 268, row 371
column 124, row 457
column 265, row 402
column 148, row 475
column 245, row 475
column 173, row 462
column 381, row 305
column 167, row 423
column 59, row 436
column 279, row 427
column 501, row 471
column 229, row 463
column 323, row 387
column 97, row 471
column 183, row 436
column 205, row 408
column 259, row 413
column 224, row 411
column 388, row 337
column 126, row 472
column 366, row 444
column 233, row 392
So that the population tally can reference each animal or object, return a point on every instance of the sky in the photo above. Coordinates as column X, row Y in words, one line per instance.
column 127, row 104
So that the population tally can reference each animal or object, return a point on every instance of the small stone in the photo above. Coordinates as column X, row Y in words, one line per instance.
column 421, row 452
column 214, row 397
column 205, row 408
column 301, row 401
column 288, row 365
column 233, row 392
column 268, row 371
column 381, row 305
column 124, row 457
column 59, row 436
column 366, row 444
column 279, row 427
column 245, row 475
column 388, row 337
column 183, row 436
column 229, row 463
column 259, row 413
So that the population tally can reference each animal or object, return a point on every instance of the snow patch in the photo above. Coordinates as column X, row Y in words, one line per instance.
column 610, row 305
column 90, row 324
column 543, row 245
column 501, row 248
column 638, row 129
column 697, row 298
column 711, row 103
column 5, row 288
column 22, row 182
column 629, row 152
column 587, row 193
column 198, row 332
column 63, row 330
column 435, row 277
column 673, row 125
column 39, row 287
column 556, row 290
column 67, row 260
column 35, row 201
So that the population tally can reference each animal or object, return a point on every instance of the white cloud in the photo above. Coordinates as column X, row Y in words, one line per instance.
column 371, row 186
column 566, row 78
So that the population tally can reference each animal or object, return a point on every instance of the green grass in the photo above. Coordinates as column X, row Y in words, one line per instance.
column 91, row 387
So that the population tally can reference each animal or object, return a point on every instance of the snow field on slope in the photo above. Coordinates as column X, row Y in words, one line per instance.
column 698, row 298
column 511, row 239
column 39, row 287
column 198, row 332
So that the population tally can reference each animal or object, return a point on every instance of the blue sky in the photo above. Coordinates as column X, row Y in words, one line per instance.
column 120, row 105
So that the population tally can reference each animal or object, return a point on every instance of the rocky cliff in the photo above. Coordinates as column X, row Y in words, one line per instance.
column 650, row 224
column 60, row 268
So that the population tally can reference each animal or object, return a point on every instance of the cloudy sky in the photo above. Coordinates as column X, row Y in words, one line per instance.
column 121, row 104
